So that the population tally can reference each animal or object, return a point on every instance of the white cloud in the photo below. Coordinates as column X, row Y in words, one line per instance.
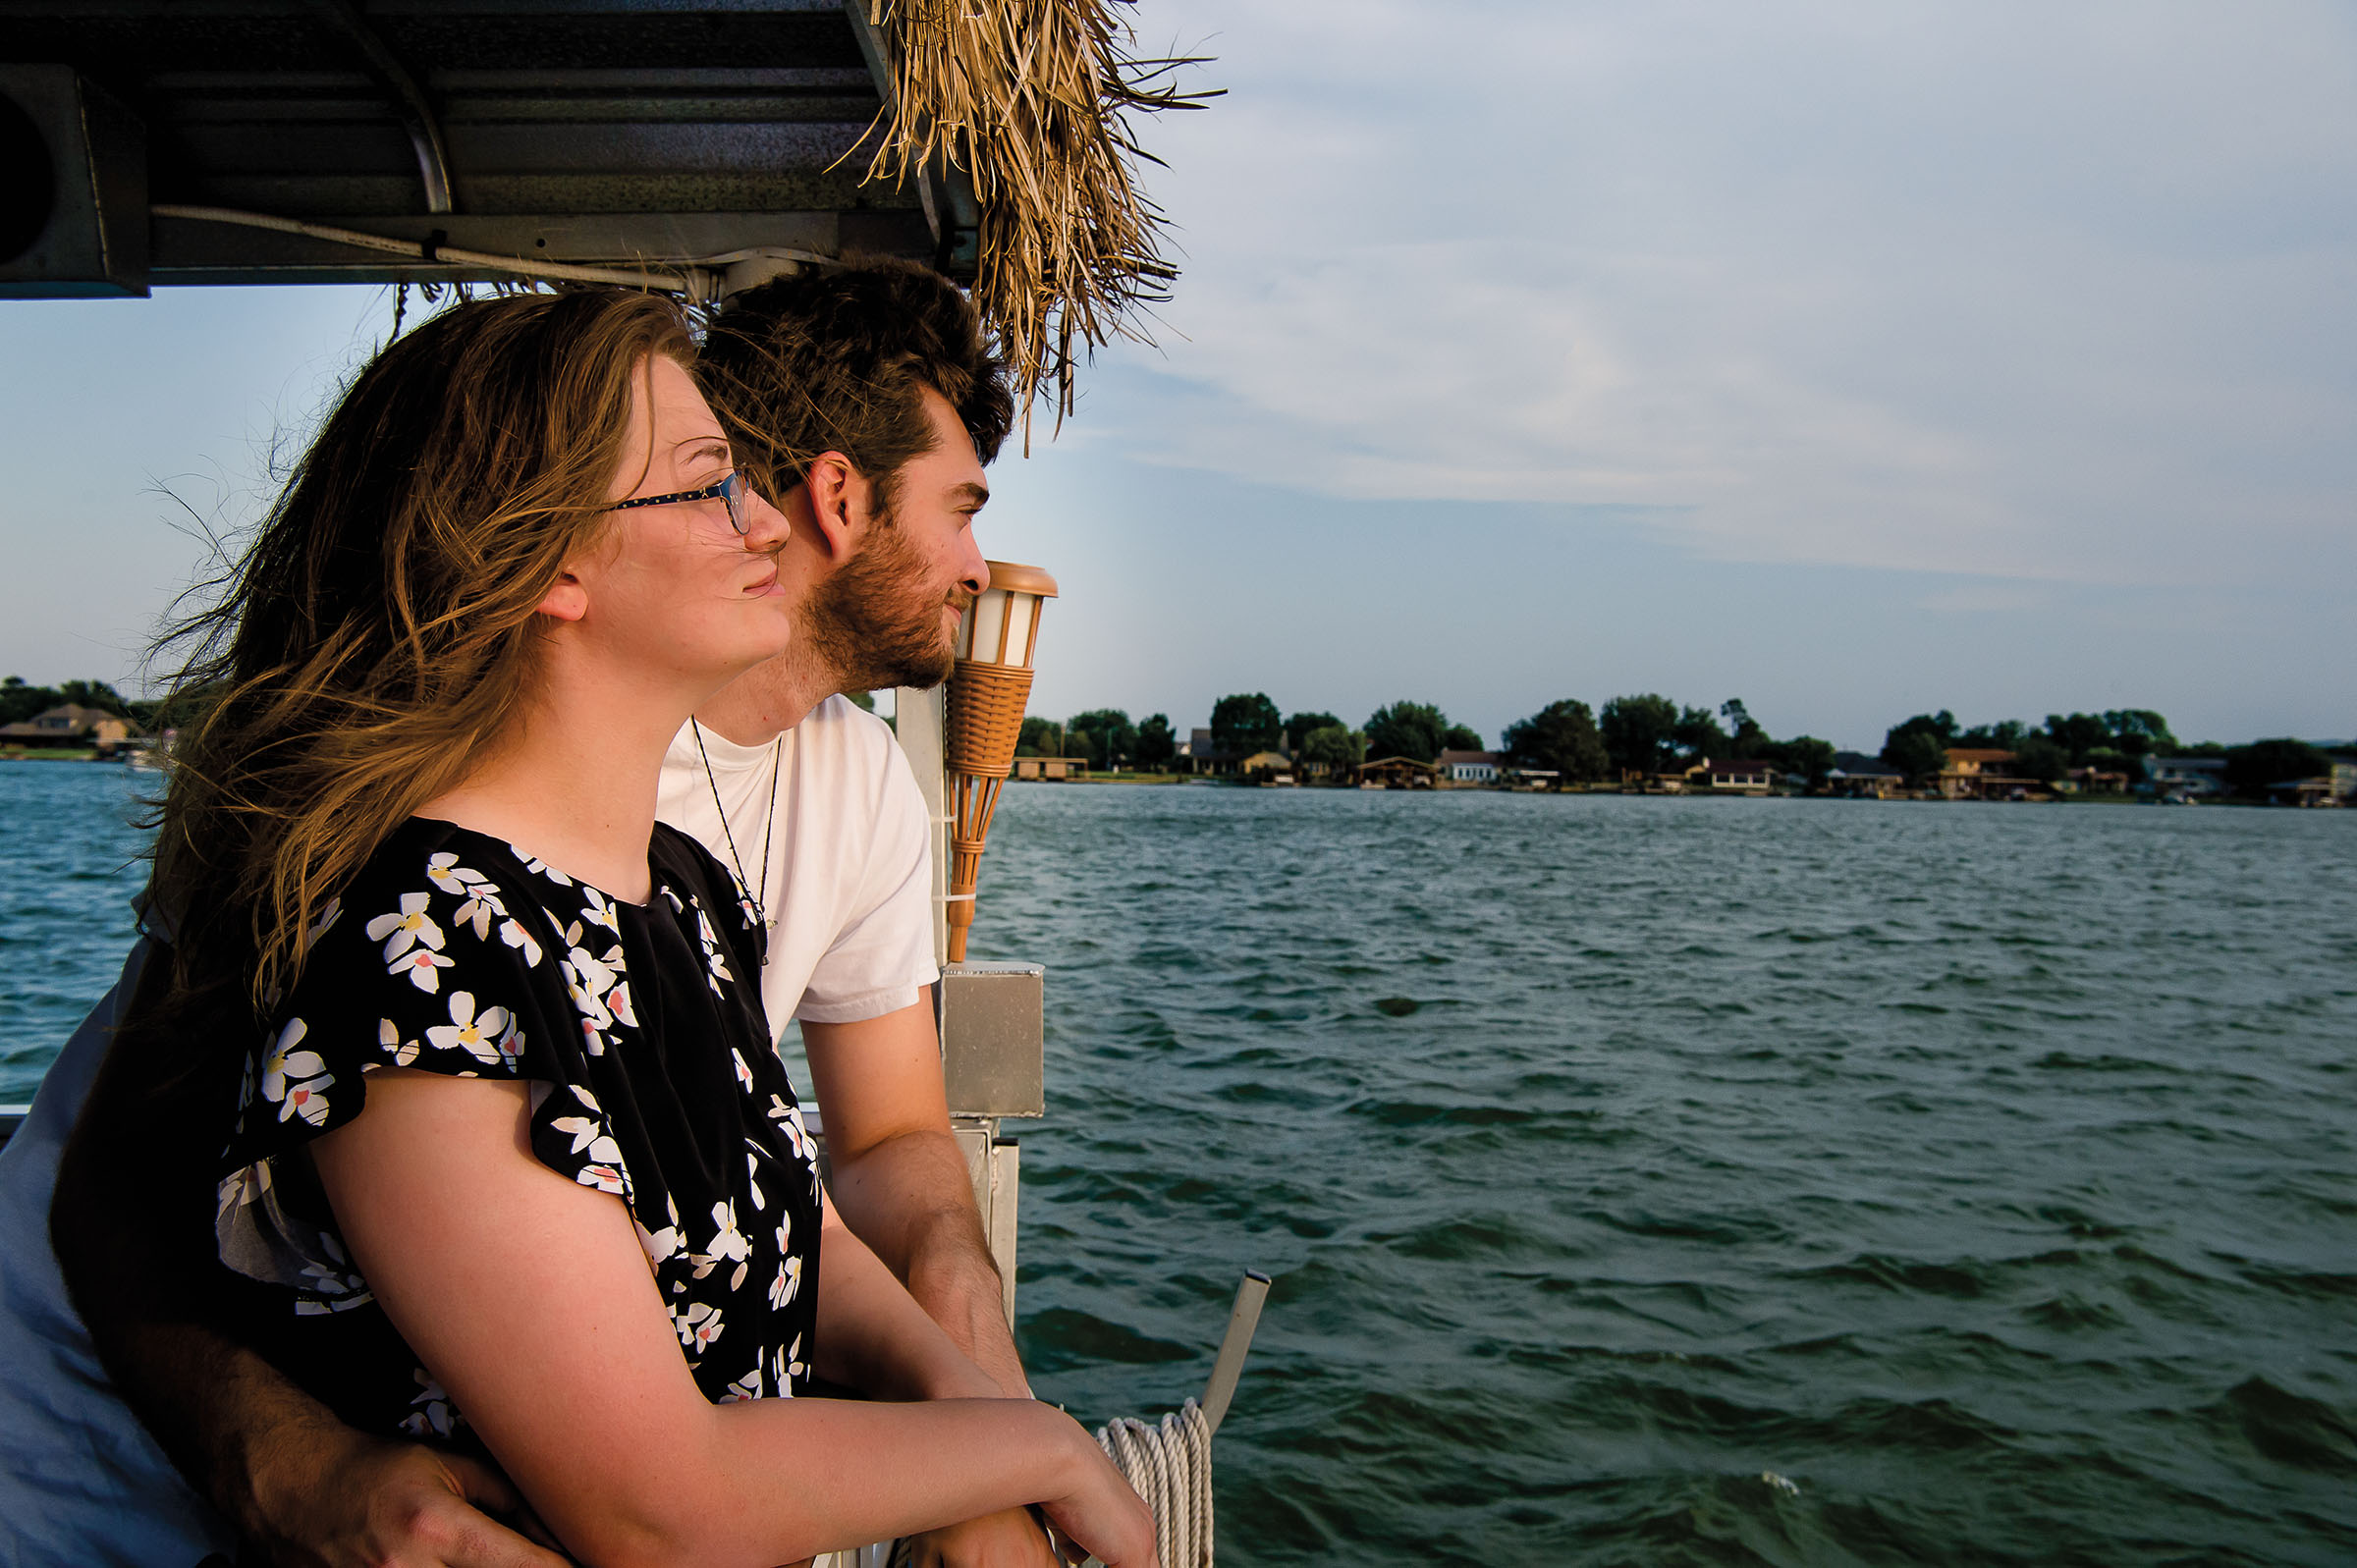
column 1982, row 289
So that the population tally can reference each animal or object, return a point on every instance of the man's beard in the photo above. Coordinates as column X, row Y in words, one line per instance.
column 876, row 623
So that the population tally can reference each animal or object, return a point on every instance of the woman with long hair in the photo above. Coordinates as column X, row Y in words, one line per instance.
column 506, row 1147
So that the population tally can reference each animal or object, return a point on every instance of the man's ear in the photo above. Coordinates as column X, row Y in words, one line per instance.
column 840, row 497
column 567, row 599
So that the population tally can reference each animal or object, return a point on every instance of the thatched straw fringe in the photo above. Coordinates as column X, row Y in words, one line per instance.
column 1031, row 99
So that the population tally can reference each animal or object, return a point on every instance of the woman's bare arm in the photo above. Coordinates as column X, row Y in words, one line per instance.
column 529, row 1298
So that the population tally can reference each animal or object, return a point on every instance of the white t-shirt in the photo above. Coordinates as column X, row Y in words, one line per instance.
column 848, row 889
column 849, row 894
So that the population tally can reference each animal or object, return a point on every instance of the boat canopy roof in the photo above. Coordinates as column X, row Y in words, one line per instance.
column 694, row 144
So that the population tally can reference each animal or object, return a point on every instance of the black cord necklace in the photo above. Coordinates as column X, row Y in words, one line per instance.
column 755, row 890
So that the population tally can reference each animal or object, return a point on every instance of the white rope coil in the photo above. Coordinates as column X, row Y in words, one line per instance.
column 1169, row 1466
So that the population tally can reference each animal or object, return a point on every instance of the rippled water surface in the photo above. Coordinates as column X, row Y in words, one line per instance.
column 68, row 874
column 1987, row 1175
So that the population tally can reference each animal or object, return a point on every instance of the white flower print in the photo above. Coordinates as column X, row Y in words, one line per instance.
column 745, row 1387
column 332, row 1275
column 535, row 863
column 422, row 966
column 789, row 1282
column 746, row 907
column 605, row 1170
column 677, row 907
column 587, row 980
column 714, row 962
column 512, row 933
column 789, row 1118
column 482, row 903
column 398, row 1051
column 296, row 1081
column 745, row 1074
column 600, row 912
column 697, row 1324
column 244, row 1185
column 727, row 1246
column 490, row 1037
column 444, row 872
column 329, row 913
column 752, row 1174
column 411, row 926
column 436, row 1419
column 660, row 1245
column 787, row 1366
column 618, row 1003
column 605, row 1177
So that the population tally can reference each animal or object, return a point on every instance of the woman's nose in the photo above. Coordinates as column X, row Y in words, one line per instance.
column 765, row 526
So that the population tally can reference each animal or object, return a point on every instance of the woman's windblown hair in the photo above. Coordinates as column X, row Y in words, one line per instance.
column 379, row 633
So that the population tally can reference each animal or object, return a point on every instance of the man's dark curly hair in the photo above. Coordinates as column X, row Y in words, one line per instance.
column 836, row 359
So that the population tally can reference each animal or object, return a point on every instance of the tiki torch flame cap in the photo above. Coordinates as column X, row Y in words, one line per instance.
column 1003, row 621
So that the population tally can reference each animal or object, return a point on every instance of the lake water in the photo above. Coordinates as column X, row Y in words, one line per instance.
column 1985, row 1175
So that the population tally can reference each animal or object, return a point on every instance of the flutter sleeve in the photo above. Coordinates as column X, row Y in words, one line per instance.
column 441, row 957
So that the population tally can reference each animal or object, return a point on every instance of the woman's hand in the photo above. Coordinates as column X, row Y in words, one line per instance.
column 1100, row 1511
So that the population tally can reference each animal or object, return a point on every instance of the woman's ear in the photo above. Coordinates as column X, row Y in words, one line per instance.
column 840, row 497
column 567, row 599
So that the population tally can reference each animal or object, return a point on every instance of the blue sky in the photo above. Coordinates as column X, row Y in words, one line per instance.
column 1852, row 359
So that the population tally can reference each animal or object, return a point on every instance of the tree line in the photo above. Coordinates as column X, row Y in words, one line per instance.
column 20, row 700
column 2117, row 740
column 1648, row 734
column 1244, row 724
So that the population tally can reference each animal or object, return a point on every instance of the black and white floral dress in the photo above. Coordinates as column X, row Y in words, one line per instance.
column 638, row 1028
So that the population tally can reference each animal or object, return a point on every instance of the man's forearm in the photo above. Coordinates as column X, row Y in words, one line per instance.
column 144, row 1289
column 910, row 1200
column 228, row 1419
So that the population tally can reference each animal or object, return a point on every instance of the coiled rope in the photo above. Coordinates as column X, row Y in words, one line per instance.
column 1169, row 1466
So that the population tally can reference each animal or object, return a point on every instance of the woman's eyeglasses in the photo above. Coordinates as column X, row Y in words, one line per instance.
column 730, row 490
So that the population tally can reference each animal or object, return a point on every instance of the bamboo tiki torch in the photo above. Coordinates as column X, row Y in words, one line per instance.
column 988, row 688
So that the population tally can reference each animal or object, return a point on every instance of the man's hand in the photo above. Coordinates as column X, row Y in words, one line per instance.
column 355, row 1502
column 1009, row 1539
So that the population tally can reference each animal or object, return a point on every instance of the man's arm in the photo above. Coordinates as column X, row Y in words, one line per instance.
column 132, row 1226
column 900, row 1184
column 900, row 1181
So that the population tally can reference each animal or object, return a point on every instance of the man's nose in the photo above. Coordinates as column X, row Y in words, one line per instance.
column 974, row 574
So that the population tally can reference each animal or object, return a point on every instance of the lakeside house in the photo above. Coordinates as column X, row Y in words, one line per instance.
column 2188, row 777
column 1197, row 755
column 2093, row 781
column 1978, row 773
column 1462, row 768
column 69, row 726
column 1732, row 776
column 1273, row 764
column 1399, row 773
column 1862, row 776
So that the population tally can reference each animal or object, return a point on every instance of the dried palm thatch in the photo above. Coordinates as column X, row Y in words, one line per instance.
column 1031, row 100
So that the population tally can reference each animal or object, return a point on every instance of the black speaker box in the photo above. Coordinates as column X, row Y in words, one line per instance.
column 72, row 187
